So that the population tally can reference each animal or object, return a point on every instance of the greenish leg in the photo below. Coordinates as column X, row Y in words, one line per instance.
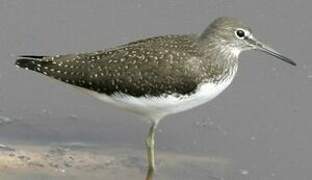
column 150, row 146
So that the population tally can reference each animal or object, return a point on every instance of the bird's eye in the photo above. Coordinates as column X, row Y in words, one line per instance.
column 240, row 33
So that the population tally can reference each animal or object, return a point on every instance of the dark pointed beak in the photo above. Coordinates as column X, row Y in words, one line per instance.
column 258, row 45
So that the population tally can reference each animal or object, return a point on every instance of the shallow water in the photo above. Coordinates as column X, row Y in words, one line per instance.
column 258, row 129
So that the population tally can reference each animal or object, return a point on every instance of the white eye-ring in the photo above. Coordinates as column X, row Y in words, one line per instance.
column 241, row 33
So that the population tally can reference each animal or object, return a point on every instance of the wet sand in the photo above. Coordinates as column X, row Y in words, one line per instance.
column 79, row 161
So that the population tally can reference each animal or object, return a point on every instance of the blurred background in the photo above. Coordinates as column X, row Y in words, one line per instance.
column 259, row 128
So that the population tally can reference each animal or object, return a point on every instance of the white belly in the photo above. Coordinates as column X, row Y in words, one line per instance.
column 156, row 108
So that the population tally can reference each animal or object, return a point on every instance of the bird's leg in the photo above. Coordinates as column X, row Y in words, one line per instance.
column 150, row 146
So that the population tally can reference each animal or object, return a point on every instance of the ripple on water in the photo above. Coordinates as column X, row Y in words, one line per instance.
column 5, row 120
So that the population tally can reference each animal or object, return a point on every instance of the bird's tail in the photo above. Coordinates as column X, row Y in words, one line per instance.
column 30, row 62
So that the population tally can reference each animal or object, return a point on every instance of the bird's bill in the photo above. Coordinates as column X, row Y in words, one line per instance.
column 264, row 48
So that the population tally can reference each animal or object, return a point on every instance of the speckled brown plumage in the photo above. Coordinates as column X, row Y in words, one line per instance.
column 153, row 67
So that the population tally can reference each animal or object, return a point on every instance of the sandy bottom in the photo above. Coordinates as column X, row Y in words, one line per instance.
column 79, row 161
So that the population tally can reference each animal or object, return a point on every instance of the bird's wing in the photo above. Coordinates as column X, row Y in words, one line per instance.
column 150, row 67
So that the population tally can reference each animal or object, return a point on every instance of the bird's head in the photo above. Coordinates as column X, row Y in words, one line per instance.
column 233, row 34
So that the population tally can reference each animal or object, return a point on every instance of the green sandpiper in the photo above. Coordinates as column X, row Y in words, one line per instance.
column 157, row 76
